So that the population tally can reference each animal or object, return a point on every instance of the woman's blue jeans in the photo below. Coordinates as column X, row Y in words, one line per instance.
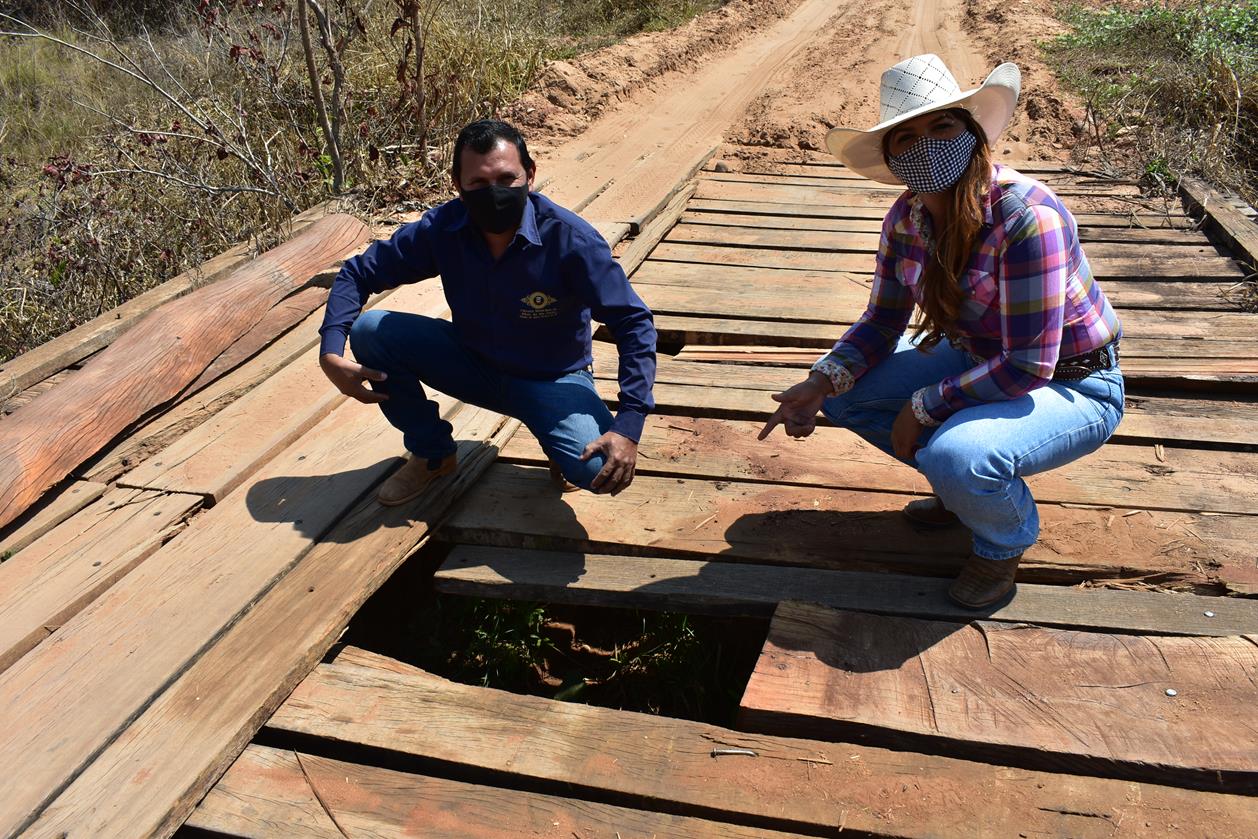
column 976, row 461
column 564, row 414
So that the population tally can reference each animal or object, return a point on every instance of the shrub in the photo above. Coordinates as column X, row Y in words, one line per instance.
column 1177, row 80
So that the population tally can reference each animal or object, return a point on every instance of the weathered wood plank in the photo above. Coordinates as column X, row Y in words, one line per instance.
column 143, row 632
column 788, row 194
column 846, row 530
column 52, row 511
column 283, row 316
column 147, row 438
column 1228, row 223
column 775, row 217
column 793, row 785
column 151, row 776
column 77, row 344
column 1087, row 702
column 685, row 389
column 690, row 288
column 1134, row 477
column 640, row 248
column 267, row 792
column 260, row 791
column 1134, row 267
column 218, row 455
column 70, row 566
column 729, row 588
column 867, row 243
column 153, row 362
column 832, row 186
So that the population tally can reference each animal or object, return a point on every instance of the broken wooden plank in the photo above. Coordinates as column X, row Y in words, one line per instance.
column 70, row 566
column 145, row 630
column 1134, row 477
column 844, row 530
column 270, row 791
column 730, row 588
column 789, row 784
column 53, row 509
column 1158, row 708
column 149, row 778
column 151, row 363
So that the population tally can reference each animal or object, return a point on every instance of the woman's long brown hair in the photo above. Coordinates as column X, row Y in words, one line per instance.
column 942, row 294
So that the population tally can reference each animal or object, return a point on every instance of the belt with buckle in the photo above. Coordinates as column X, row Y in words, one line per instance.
column 1081, row 366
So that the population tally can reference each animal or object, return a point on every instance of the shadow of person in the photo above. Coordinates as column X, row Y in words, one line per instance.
column 518, row 507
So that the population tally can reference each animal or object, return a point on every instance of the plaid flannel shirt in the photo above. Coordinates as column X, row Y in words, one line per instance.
column 1031, row 299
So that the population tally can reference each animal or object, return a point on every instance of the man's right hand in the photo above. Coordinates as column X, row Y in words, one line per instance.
column 797, row 413
column 349, row 376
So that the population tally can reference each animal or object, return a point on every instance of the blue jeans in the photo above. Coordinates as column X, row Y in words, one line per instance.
column 977, row 459
column 564, row 414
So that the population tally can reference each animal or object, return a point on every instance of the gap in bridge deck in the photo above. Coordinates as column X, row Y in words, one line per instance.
column 679, row 665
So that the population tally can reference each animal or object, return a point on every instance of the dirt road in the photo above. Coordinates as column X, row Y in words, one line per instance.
column 774, row 74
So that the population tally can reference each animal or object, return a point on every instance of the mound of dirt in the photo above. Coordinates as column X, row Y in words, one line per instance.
column 569, row 95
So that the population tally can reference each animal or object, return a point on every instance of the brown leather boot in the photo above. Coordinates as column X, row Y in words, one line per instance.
column 409, row 482
column 930, row 512
column 984, row 582
column 556, row 475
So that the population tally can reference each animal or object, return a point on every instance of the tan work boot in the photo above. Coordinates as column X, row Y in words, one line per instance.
column 556, row 475
column 930, row 512
column 984, row 582
column 413, row 478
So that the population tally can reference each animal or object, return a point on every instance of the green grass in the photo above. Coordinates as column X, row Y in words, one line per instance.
column 1178, row 81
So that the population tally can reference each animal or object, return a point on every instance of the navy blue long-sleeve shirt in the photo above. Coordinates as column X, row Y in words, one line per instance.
column 528, row 313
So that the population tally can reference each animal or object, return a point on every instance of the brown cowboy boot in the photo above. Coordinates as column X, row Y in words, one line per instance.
column 556, row 475
column 930, row 512
column 409, row 482
column 984, row 582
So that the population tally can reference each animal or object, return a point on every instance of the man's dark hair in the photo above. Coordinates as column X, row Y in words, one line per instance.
column 482, row 136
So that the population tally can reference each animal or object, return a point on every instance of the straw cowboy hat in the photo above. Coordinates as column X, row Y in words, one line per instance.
column 917, row 86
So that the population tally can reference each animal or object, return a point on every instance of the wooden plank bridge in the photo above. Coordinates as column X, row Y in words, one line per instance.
column 169, row 614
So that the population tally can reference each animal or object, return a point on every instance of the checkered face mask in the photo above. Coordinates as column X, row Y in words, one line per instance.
column 934, row 165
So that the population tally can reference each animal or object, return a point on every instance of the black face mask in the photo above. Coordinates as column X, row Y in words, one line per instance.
column 496, row 209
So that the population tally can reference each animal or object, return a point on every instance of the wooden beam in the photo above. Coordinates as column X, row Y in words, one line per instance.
column 845, row 530
column 728, row 588
column 149, row 777
column 799, row 786
column 654, row 232
column 1135, row 267
column 1222, row 219
column 1135, row 477
column 273, row 792
column 152, row 363
column 1152, row 708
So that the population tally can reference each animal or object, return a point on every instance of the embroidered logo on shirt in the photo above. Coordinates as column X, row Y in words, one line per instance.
column 540, row 305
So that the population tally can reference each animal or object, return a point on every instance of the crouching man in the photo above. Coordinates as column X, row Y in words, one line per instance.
column 522, row 276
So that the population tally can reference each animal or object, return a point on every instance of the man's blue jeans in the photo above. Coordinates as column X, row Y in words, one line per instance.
column 564, row 414
column 977, row 459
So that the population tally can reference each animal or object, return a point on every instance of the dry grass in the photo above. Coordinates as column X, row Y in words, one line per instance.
column 110, row 187
column 1172, row 83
